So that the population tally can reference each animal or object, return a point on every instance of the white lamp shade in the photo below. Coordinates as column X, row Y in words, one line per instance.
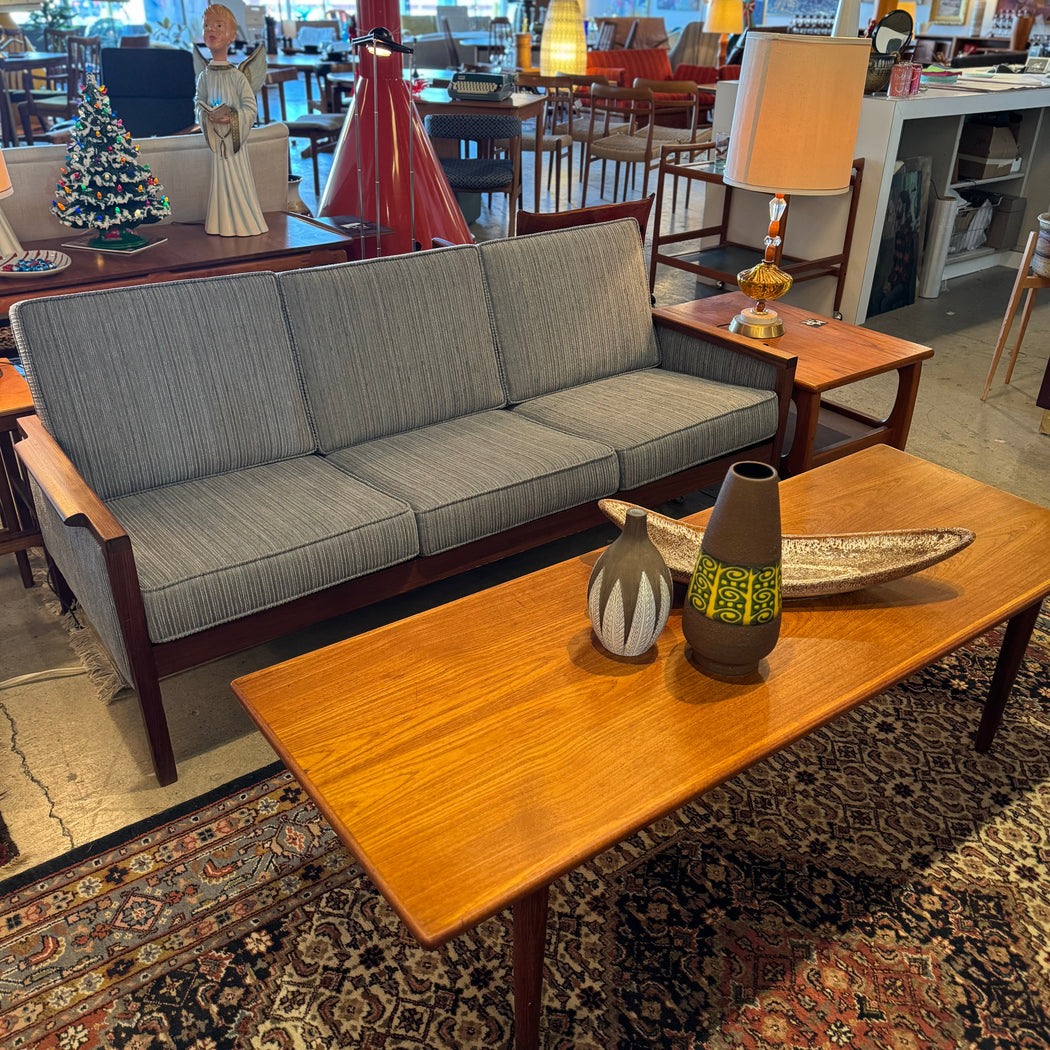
column 563, row 47
column 797, row 109
column 724, row 16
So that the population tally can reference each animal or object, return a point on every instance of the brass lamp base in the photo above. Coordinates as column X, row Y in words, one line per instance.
column 757, row 324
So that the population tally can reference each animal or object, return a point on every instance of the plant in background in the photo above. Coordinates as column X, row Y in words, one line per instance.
column 53, row 14
column 174, row 34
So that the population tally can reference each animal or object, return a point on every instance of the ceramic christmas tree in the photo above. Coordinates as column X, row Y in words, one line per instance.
column 104, row 186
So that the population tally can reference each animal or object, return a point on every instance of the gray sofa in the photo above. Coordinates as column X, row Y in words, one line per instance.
column 238, row 457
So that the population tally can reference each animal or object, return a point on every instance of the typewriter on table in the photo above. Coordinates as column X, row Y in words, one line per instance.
column 481, row 87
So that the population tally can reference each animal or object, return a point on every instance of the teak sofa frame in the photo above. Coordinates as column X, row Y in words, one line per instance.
column 79, row 507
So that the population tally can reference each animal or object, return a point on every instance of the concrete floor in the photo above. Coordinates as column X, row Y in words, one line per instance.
column 73, row 769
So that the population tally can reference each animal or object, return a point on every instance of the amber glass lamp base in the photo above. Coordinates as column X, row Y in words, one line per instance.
column 763, row 282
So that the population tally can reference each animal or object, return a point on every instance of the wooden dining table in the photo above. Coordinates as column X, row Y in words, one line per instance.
column 21, row 62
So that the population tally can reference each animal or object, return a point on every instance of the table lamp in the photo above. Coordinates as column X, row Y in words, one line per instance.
column 9, row 243
column 724, row 17
column 794, row 132
column 563, row 47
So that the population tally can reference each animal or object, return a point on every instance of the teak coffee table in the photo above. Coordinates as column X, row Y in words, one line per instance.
column 470, row 755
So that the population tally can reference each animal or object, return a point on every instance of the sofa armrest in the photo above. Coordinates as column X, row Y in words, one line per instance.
column 695, row 348
column 93, row 552
column 59, row 480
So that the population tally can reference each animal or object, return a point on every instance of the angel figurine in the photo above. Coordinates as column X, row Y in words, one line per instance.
column 226, row 109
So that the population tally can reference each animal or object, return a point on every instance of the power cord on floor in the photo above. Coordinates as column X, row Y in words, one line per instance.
column 43, row 676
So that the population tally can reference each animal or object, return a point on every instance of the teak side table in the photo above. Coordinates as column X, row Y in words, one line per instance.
column 18, row 527
column 830, row 354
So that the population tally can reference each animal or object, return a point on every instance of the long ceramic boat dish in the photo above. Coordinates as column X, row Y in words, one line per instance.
column 813, row 565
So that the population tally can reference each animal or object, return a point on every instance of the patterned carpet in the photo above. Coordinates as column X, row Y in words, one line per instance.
column 877, row 885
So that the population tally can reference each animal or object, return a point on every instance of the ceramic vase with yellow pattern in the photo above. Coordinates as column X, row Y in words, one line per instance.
column 731, row 615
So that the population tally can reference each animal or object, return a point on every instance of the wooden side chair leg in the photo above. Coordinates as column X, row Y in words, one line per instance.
column 1011, row 309
column 1026, row 314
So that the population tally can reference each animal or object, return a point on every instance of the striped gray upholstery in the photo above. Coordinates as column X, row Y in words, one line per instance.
column 392, row 344
column 473, row 477
column 205, row 363
column 681, row 352
column 659, row 422
column 570, row 306
column 83, row 564
column 215, row 549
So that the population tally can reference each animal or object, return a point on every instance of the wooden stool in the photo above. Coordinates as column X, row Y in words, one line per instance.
column 1025, row 280
column 322, row 129
column 276, row 77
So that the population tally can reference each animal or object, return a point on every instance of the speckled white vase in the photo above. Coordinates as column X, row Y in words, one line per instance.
column 629, row 592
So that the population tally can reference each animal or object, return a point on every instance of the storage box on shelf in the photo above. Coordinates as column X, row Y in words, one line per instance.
column 988, row 150
column 1007, row 223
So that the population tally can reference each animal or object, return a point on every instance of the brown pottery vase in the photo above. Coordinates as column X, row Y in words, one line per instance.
column 731, row 615
column 629, row 591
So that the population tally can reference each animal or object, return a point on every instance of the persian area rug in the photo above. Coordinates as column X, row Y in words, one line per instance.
column 877, row 885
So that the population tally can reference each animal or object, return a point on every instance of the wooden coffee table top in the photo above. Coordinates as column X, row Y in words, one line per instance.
column 473, row 753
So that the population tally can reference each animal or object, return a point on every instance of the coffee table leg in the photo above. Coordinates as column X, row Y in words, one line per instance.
column 1015, row 642
column 530, row 946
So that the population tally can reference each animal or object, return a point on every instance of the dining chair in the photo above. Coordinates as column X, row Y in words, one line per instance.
column 620, row 129
column 322, row 130
column 541, row 222
column 501, row 41
column 572, row 109
column 709, row 249
column 677, row 109
column 544, row 141
column 450, row 46
column 151, row 89
column 83, row 53
column 606, row 36
column 13, row 40
column 484, row 173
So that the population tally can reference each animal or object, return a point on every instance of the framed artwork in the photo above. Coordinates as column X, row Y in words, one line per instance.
column 949, row 12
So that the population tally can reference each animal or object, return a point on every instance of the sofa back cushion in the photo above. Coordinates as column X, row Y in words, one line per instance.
column 162, row 383
column 570, row 306
column 650, row 63
column 389, row 345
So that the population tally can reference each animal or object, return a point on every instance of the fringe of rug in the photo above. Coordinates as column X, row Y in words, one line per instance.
column 107, row 681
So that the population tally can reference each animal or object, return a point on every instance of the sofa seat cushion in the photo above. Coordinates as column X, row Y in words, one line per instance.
column 476, row 476
column 219, row 548
column 659, row 422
